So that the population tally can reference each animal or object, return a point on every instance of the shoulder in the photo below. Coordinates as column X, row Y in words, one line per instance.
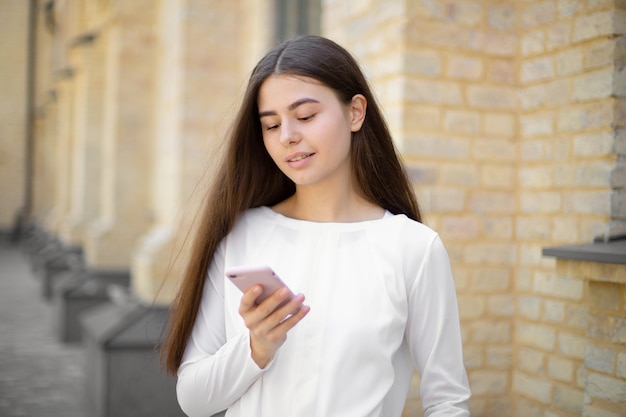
column 253, row 217
column 406, row 230
column 411, row 243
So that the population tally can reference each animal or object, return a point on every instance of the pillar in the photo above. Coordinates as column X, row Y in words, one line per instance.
column 127, row 134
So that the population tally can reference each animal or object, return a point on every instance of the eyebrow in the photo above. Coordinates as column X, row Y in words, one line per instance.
column 291, row 107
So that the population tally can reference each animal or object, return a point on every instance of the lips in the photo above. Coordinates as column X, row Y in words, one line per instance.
column 299, row 157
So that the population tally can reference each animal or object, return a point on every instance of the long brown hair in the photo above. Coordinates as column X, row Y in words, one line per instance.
column 247, row 176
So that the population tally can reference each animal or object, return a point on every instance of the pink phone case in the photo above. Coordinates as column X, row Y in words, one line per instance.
column 245, row 277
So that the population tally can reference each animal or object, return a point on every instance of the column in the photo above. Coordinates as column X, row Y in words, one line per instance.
column 127, row 135
column 199, row 78
column 86, row 131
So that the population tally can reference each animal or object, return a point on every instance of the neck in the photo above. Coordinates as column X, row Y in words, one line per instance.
column 323, row 204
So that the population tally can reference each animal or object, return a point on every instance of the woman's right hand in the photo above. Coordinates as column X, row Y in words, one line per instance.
column 270, row 321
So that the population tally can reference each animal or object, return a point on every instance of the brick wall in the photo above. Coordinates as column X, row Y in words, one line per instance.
column 460, row 75
column 601, row 377
column 567, row 122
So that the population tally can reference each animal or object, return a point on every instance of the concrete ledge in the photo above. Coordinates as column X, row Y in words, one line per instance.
column 79, row 292
column 606, row 252
column 124, row 377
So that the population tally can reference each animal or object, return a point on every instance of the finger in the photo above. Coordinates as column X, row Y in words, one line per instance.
column 288, row 308
column 293, row 319
column 265, row 323
column 249, row 297
column 276, row 334
column 279, row 298
column 248, row 300
column 257, row 317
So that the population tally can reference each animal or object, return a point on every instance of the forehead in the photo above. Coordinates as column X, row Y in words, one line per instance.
column 281, row 90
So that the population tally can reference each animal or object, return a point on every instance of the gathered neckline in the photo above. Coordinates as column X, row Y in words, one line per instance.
column 309, row 223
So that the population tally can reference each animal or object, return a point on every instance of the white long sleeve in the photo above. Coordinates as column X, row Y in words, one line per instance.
column 382, row 304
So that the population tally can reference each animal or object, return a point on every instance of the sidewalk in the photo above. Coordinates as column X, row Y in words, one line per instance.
column 39, row 376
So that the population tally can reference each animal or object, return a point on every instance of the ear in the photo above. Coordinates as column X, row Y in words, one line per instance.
column 358, row 107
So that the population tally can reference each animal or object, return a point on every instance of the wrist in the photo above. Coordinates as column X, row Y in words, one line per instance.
column 260, row 356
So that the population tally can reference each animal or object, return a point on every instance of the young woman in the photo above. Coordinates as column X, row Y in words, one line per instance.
column 312, row 186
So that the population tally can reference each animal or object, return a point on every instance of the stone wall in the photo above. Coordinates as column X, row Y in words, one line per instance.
column 569, row 97
column 601, row 375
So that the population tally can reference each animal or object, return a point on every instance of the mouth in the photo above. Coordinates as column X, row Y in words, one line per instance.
column 300, row 157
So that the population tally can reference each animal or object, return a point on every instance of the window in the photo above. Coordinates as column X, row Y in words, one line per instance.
column 297, row 17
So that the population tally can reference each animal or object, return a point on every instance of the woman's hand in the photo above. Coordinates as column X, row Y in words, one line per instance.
column 270, row 321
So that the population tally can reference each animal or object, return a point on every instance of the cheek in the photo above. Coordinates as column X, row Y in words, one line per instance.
column 268, row 144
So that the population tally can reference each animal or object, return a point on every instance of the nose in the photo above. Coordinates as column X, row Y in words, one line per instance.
column 289, row 135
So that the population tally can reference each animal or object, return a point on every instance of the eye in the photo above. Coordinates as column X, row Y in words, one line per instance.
column 272, row 127
column 306, row 118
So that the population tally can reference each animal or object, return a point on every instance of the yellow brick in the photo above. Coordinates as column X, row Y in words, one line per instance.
column 497, row 176
column 536, row 177
column 499, row 356
column 494, row 150
column 488, row 382
column 471, row 307
column 540, row 202
column 499, row 124
column 464, row 67
column 556, row 286
column 538, row 14
column 572, row 345
column 536, row 335
column 460, row 227
column 501, row 72
column 606, row 388
column 600, row 54
column 561, row 369
column 594, row 25
column 491, row 97
column 540, row 124
column 532, row 42
column 492, row 202
column 537, row 69
column 558, row 35
column 605, row 295
column 533, row 228
column 462, row 121
column 529, row 307
column 497, row 227
column 501, row 305
column 459, row 174
column 595, row 85
column 533, row 388
column 568, row 399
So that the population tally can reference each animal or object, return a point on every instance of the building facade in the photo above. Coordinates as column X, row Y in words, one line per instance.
column 510, row 117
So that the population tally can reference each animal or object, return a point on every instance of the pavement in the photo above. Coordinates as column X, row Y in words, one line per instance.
column 39, row 375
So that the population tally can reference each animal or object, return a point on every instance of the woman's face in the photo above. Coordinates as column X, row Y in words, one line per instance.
column 307, row 130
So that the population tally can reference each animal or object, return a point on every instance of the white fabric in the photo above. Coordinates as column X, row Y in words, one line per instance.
column 382, row 304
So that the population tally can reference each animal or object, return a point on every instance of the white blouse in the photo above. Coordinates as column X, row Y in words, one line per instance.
column 382, row 303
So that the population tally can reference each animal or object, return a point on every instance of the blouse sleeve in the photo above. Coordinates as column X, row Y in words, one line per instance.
column 434, row 336
column 214, row 372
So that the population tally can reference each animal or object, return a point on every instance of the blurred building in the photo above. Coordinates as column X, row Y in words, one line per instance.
column 510, row 117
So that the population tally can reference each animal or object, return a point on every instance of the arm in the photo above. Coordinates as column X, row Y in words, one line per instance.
column 434, row 336
column 215, row 372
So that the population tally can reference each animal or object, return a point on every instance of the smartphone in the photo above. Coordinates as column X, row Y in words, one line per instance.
column 245, row 277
